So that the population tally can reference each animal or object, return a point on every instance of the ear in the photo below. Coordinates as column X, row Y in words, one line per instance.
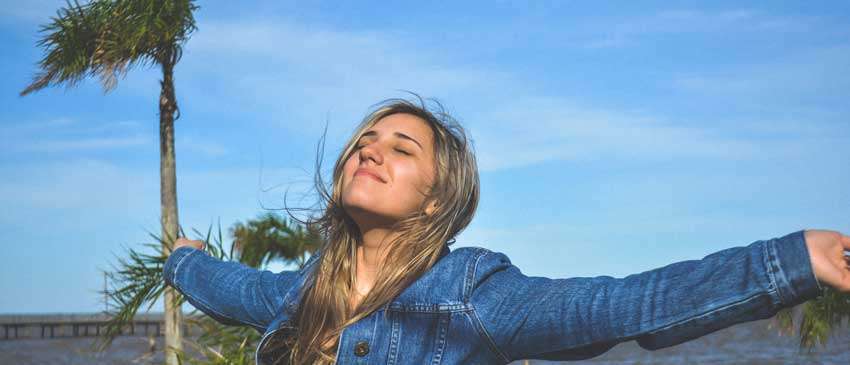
column 431, row 207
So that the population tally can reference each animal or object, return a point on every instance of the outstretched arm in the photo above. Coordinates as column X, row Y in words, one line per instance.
column 575, row 318
column 230, row 292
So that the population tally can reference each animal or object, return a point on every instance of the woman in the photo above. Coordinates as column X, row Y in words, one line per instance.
column 386, row 289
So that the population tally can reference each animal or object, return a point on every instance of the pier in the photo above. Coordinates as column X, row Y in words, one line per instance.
column 20, row 326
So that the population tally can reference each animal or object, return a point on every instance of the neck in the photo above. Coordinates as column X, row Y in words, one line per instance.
column 370, row 255
column 370, row 252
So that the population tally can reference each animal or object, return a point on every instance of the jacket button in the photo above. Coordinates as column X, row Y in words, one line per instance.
column 361, row 348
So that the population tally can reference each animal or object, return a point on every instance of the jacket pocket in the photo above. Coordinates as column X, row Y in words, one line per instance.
column 418, row 335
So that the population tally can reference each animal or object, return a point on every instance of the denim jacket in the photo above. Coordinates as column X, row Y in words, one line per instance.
column 474, row 307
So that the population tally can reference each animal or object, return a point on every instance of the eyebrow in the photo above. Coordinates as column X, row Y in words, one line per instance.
column 397, row 134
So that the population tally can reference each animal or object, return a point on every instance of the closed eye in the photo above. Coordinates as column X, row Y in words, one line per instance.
column 397, row 150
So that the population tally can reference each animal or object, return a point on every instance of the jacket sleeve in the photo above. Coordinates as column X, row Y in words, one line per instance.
column 230, row 292
column 526, row 317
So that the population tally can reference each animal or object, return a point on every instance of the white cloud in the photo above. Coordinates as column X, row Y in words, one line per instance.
column 120, row 126
column 40, row 128
column 80, row 194
column 296, row 76
column 627, row 32
column 70, row 191
column 533, row 130
column 52, row 135
column 740, row 20
column 817, row 73
column 95, row 143
column 36, row 126
column 206, row 148
column 321, row 66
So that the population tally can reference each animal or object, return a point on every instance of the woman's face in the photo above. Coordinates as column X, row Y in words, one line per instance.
column 389, row 172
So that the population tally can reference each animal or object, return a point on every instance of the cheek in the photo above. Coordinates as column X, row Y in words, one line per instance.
column 348, row 168
column 413, row 179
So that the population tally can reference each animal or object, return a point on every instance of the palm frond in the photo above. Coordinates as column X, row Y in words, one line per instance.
column 69, row 43
column 270, row 237
column 133, row 283
column 816, row 319
column 136, row 281
column 108, row 37
column 822, row 316
column 220, row 344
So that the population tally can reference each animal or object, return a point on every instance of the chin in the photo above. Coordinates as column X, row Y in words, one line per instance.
column 358, row 199
column 363, row 210
column 359, row 204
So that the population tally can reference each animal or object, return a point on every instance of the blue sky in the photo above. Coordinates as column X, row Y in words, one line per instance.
column 611, row 138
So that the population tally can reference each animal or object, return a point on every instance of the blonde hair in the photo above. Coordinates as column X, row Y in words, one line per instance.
column 324, row 310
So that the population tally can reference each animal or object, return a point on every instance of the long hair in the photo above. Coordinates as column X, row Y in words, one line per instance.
column 324, row 310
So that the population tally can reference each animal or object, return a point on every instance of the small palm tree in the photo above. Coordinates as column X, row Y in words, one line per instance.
column 106, row 38
column 137, row 281
column 269, row 237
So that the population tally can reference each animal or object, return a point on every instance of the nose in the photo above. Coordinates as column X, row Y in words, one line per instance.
column 371, row 152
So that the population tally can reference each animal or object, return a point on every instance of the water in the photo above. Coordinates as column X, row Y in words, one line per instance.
column 76, row 351
column 748, row 343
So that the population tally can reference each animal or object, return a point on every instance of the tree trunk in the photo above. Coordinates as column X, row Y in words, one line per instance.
column 168, row 200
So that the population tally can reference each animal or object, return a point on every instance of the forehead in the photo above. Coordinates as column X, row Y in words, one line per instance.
column 408, row 124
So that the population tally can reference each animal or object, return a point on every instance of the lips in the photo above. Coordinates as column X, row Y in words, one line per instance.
column 368, row 173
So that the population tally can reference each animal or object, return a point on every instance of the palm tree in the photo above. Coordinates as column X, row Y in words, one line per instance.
column 269, row 238
column 106, row 38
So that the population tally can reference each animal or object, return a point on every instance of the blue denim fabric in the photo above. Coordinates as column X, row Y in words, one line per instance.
column 474, row 307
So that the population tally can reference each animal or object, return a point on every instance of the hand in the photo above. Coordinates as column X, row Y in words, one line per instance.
column 182, row 241
column 826, row 250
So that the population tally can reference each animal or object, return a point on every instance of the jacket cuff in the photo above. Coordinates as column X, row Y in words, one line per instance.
column 790, row 268
column 175, row 259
